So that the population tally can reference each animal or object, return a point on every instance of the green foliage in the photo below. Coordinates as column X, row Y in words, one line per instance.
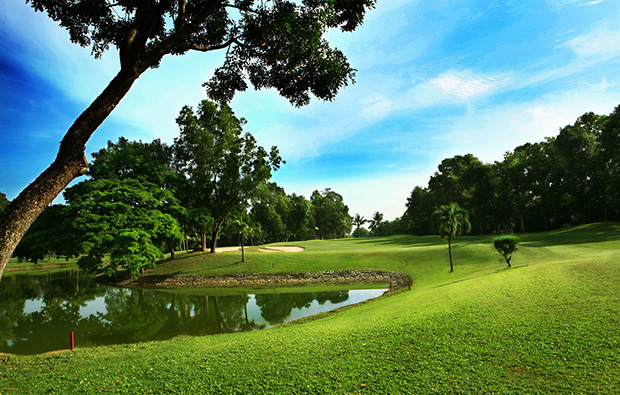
column 376, row 223
column 51, row 235
column 331, row 215
column 451, row 220
column 123, row 218
column 272, row 45
column 149, row 162
column 224, row 167
column 570, row 179
column 361, row 232
column 506, row 245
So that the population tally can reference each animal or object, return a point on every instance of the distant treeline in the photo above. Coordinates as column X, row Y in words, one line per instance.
column 570, row 179
column 214, row 188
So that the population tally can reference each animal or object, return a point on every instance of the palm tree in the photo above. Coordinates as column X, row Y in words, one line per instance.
column 452, row 220
column 358, row 221
column 242, row 227
column 375, row 222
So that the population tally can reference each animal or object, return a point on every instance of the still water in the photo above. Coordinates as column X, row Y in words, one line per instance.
column 37, row 312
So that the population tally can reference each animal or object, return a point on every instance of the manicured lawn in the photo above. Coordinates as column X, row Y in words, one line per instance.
column 550, row 324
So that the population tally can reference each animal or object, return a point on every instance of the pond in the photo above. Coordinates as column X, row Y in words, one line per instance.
column 38, row 312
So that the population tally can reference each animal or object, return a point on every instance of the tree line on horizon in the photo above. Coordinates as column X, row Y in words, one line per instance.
column 570, row 179
column 189, row 194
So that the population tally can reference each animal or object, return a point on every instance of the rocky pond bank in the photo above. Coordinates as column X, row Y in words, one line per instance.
column 395, row 279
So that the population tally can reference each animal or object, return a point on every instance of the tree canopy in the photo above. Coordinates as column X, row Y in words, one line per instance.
column 225, row 166
column 268, row 44
column 124, row 218
column 570, row 179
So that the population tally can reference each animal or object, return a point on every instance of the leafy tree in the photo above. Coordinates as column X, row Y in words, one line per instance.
column 50, row 234
column 150, row 162
column 361, row 232
column 278, row 44
column 123, row 218
column 452, row 220
column 299, row 218
column 580, row 181
column 506, row 246
column 225, row 166
column 420, row 206
column 270, row 208
column 331, row 215
column 145, row 162
column 394, row 227
column 376, row 222
column 610, row 158
column 358, row 222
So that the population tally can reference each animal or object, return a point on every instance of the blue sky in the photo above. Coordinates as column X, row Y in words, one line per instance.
column 434, row 79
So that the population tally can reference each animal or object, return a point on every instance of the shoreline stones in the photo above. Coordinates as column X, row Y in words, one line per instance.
column 395, row 279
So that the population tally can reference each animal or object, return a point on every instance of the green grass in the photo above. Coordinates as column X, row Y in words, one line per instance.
column 550, row 324
column 45, row 264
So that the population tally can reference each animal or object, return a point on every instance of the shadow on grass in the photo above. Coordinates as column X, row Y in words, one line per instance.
column 583, row 234
column 402, row 240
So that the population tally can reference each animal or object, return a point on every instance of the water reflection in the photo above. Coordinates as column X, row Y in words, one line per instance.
column 37, row 312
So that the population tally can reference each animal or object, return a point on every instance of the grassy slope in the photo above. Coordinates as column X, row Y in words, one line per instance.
column 549, row 325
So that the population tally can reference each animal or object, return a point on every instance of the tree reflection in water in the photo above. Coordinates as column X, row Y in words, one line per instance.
column 37, row 312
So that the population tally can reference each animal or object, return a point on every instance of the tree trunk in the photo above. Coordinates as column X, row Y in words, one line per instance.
column 203, row 242
column 216, row 230
column 242, row 250
column 450, row 252
column 70, row 163
column 171, row 246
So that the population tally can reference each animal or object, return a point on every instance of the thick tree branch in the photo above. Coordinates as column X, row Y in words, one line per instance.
column 212, row 47
column 176, row 41
column 180, row 21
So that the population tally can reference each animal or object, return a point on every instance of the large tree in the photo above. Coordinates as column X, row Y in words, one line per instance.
column 124, row 218
column 270, row 44
column 331, row 215
column 226, row 166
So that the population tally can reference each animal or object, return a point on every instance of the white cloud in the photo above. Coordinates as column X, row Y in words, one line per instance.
column 591, row 3
column 599, row 43
column 452, row 87
column 463, row 85
column 503, row 128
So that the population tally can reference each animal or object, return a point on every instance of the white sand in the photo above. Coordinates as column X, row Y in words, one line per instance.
column 281, row 249
column 227, row 249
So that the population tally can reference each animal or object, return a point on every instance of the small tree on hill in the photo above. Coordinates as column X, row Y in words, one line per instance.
column 506, row 246
column 452, row 220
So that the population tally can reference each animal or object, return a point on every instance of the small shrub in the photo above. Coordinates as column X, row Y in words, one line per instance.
column 506, row 245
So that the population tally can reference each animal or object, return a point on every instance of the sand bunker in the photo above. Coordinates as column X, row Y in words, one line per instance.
column 227, row 249
column 281, row 249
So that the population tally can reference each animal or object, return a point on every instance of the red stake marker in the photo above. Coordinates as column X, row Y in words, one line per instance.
column 71, row 339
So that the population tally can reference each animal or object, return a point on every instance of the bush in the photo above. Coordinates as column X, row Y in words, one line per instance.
column 506, row 246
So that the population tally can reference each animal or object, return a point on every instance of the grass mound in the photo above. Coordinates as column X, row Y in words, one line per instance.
column 551, row 324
